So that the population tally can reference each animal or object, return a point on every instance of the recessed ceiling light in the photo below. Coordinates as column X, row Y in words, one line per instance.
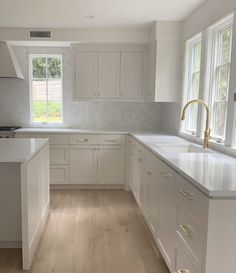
column 90, row 16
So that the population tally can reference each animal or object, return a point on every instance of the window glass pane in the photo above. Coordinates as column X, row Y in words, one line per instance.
column 225, row 45
column 197, row 57
column 222, row 83
column 54, row 68
column 39, row 100
column 219, row 119
column 39, row 67
column 54, row 101
column 193, row 84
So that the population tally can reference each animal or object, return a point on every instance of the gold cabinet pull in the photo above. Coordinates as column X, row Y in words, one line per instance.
column 165, row 174
column 183, row 271
column 187, row 229
column 82, row 139
column 186, row 194
column 139, row 159
column 110, row 140
column 149, row 173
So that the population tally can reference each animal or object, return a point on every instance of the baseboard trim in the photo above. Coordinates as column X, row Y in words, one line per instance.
column 87, row 187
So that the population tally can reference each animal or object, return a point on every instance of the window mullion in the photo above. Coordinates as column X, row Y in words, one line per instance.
column 47, row 88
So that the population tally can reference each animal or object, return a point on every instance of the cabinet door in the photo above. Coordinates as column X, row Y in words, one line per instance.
column 58, row 174
column 86, row 74
column 108, row 74
column 58, row 154
column 168, row 213
column 83, row 164
column 111, row 165
column 131, row 75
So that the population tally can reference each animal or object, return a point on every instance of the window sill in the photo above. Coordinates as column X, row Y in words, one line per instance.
column 220, row 147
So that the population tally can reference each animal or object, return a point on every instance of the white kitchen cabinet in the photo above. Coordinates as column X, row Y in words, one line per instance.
column 83, row 164
column 111, row 165
column 86, row 74
column 59, row 174
column 58, row 154
column 108, row 74
column 131, row 85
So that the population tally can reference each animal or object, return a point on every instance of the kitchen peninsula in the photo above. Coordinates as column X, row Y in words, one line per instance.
column 24, row 194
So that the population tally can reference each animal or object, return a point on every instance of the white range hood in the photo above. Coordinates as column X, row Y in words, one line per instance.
column 9, row 65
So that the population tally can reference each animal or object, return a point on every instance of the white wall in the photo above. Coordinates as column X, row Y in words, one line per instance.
column 14, row 102
column 206, row 15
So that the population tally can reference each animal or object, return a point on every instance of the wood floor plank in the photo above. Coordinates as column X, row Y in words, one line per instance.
column 91, row 231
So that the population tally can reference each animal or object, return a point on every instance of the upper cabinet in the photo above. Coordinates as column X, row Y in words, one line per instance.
column 131, row 75
column 86, row 74
column 131, row 72
column 108, row 74
column 163, row 63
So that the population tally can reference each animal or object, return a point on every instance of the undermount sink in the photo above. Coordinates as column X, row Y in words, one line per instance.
column 186, row 148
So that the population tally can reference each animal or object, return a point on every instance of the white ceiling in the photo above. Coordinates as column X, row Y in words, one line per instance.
column 108, row 13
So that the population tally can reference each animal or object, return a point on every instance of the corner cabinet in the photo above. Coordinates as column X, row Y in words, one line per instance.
column 109, row 72
column 85, row 160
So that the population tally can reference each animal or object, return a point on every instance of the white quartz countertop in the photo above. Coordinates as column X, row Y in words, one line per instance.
column 213, row 173
column 65, row 131
column 20, row 150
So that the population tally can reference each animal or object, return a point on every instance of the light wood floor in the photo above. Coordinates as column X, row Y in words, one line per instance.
column 91, row 232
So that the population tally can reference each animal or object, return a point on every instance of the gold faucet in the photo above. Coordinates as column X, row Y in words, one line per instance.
column 207, row 133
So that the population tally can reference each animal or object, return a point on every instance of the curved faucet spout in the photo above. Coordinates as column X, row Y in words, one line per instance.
column 207, row 129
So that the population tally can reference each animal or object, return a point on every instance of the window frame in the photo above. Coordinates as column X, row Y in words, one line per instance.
column 189, row 73
column 212, row 60
column 44, row 55
column 229, row 145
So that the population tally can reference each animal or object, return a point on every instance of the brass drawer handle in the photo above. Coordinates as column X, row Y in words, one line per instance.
column 183, row 271
column 82, row 139
column 139, row 159
column 187, row 229
column 149, row 173
column 165, row 174
column 186, row 194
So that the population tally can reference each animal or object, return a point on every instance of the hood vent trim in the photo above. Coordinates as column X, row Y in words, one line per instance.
column 40, row 34
column 9, row 64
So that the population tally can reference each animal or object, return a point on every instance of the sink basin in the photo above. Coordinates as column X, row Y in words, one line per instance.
column 186, row 148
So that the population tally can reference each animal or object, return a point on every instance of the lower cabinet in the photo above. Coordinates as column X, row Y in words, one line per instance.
column 59, row 174
column 111, row 165
column 83, row 164
column 92, row 165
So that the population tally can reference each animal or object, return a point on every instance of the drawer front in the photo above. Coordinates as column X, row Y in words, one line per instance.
column 59, row 174
column 83, row 139
column 183, row 262
column 53, row 138
column 58, row 139
column 193, row 199
column 192, row 231
column 59, row 154
column 111, row 139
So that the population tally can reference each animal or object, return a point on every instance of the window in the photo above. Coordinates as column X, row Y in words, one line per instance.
column 219, row 86
column 192, row 77
column 46, row 89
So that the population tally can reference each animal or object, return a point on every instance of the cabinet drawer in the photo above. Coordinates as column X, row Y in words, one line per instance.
column 58, row 154
column 183, row 262
column 83, row 139
column 111, row 139
column 191, row 230
column 58, row 139
column 53, row 138
column 58, row 174
column 193, row 199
